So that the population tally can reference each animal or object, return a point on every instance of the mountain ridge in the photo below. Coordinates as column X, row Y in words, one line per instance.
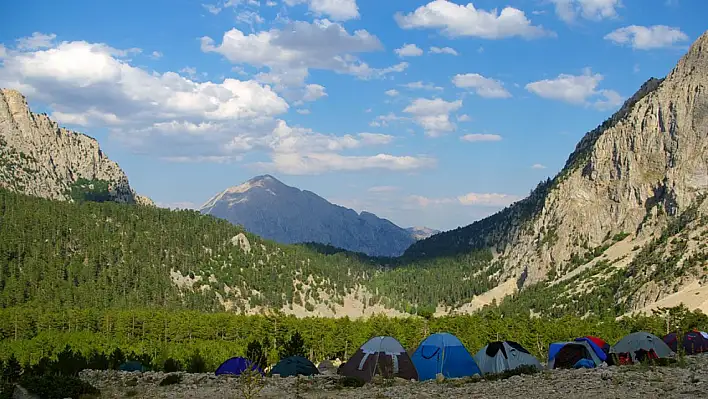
column 269, row 208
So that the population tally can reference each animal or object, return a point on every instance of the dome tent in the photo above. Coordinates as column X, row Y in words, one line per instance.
column 236, row 366
column 379, row 355
column 501, row 356
column 293, row 366
column 443, row 353
column 571, row 355
column 693, row 342
column 640, row 345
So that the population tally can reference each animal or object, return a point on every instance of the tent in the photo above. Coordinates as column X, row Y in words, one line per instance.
column 236, row 366
column 132, row 365
column 640, row 345
column 444, row 354
column 379, row 355
column 693, row 342
column 293, row 366
column 501, row 356
column 571, row 355
column 602, row 348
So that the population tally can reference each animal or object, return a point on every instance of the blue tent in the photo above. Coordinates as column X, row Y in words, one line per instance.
column 443, row 353
column 236, row 366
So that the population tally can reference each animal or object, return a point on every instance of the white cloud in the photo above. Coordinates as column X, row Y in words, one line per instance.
column 576, row 89
column 384, row 120
column 481, row 137
column 212, row 8
column 313, row 92
column 460, row 20
column 338, row 10
column 419, row 85
column 382, row 189
column 391, row 93
column 409, row 50
column 433, row 115
column 3, row 51
column 290, row 52
column 538, row 166
column 303, row 111
column 463, row 118
column 443, row 50
column 189, row 71
column 177, row 119
column 647, row 37
column 36, row 41
column 595, row 10
column 156, row 55
column 484, row 87
column 469, row 199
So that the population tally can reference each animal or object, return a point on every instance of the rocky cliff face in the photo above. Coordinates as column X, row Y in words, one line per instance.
column 267, row 207
column 37, row 157
column 421, row 232
column 633, row 174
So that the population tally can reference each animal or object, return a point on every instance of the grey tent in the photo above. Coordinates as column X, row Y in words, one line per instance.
column 639, row 346
column 501, row 356
column 380, row 355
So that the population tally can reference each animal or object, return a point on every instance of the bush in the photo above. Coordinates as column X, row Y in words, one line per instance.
column 171, row 365
column 57, row 386
column 196, row 363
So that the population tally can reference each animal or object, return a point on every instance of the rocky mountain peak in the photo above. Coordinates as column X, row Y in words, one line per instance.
column 38, row 157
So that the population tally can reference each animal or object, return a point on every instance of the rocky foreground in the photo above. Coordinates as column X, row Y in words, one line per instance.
column 689, row 381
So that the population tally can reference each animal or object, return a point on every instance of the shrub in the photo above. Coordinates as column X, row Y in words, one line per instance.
column 51, row 386
column 171, row 365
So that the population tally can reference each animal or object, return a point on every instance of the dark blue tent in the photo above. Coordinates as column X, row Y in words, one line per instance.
column 236, row 366
column 444, row 354
column 132, row 365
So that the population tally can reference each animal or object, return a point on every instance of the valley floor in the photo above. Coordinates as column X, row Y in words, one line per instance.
column 639, row 381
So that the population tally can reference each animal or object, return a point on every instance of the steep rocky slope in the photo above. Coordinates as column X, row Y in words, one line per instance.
column 633, row 175
column 421, row 233
column 267, row 207
column 39, row 158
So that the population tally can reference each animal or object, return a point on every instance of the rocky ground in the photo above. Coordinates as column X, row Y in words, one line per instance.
column 690, row 381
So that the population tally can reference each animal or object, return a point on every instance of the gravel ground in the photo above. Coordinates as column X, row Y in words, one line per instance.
column 643, row 382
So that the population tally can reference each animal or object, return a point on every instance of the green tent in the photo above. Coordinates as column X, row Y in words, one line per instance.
column 293, row 366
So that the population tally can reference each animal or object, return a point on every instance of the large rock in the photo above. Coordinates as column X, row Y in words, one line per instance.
column 37, row 157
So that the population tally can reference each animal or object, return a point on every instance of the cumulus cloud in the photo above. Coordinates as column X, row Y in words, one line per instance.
column 303, row 111
column 291, row 51
column 484, row 87
column 409, row 50
column 595, row 10
column 465, row 20
column 391, row 93
column 36, row 41
column 338, row 10
column 463, row 118
column 481, row 137
column 443, row 50
column 172, row 117
column 419, row 85
column 647, row 37
column 577, row 89
column 538, row 166
column 156, row 55
column 433, row 115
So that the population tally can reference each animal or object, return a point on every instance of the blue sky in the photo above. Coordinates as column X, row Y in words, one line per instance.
column 432, row 113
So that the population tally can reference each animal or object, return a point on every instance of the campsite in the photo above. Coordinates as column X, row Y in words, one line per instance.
column 439, row 365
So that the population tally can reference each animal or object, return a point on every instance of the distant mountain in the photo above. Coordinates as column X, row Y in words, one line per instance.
column 267, row 207
column 421, row 233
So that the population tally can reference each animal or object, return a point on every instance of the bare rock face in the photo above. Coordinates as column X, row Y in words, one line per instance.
column 37, row 157
column 644, row 165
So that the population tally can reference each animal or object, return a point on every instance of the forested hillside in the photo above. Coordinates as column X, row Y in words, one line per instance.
column 101, row 255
